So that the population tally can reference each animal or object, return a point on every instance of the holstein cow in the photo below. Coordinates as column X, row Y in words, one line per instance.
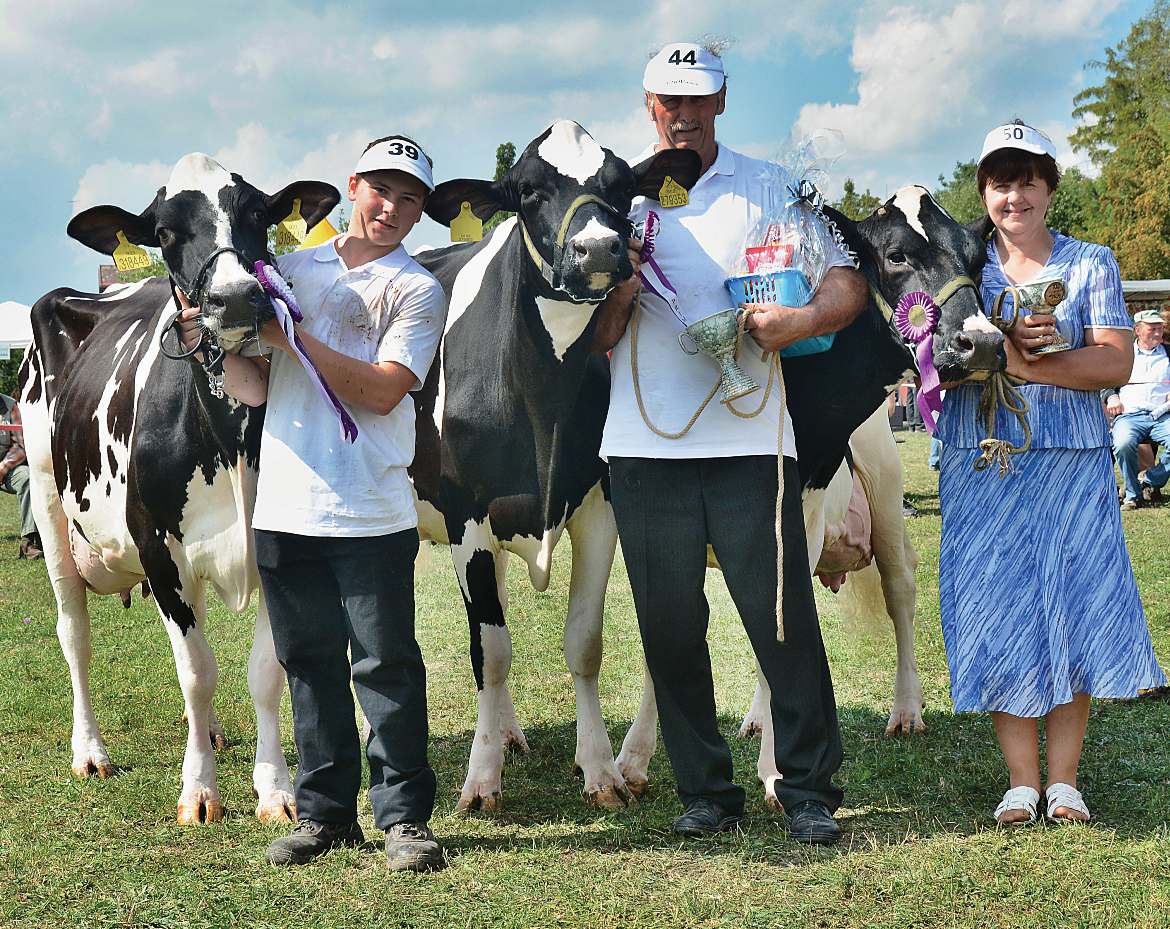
column 836, row 400
column 509, row 424
column 140, row 473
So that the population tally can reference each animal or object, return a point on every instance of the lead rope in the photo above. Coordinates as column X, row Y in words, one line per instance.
column 999, row 391
column 775, row 375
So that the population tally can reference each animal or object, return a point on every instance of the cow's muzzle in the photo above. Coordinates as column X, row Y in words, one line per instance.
column 586, row 267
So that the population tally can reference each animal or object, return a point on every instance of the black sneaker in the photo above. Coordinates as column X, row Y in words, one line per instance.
column 30, row 547
column 1150, row 493
column 310, row 839
column 811, row 822
column 412, row 847
column 705, row 817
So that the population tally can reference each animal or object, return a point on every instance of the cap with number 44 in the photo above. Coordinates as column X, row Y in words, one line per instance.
column 1017, row 135
column 684, row 69
column 397, row 153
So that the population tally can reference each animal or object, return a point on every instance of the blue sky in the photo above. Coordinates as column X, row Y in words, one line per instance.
column 101, row 100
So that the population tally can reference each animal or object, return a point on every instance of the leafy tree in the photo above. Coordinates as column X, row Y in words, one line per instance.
column 959, row 194
column 856, row 205
column 8, row 371
column 505, row 158
column 1074, row 207
column 1125, row 130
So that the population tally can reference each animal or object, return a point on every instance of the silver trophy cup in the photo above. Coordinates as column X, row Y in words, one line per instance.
column 717, row 336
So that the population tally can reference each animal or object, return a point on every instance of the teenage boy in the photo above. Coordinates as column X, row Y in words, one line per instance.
column 335, row 524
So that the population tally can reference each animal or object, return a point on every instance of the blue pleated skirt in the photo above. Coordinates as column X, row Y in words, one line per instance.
column 1036, row 590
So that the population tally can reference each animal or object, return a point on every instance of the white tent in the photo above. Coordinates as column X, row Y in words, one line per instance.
column 15, row 327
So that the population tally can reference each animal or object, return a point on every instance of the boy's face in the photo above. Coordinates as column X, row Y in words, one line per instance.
column 386, row 205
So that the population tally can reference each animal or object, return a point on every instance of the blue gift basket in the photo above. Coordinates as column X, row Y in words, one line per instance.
column 788, row 287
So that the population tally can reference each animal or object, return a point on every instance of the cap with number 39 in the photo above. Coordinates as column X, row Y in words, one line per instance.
column 397, row 153
column 684, row 69
column 1017, row 135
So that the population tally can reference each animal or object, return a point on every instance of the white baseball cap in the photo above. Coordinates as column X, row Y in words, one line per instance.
column 684, row 69
column 1153, row 317
column 397, row 153
column 1017, row 135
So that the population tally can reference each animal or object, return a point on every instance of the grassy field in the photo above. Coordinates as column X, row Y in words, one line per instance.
column 918, row 850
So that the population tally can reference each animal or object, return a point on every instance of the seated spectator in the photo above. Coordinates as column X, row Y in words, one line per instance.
column 14, row 475
column 1140, row 412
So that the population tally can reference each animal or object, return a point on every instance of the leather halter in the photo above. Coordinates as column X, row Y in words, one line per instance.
column 553, row 272
column 952, row 287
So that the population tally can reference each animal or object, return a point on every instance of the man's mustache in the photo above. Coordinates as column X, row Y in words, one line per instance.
column 683, row 125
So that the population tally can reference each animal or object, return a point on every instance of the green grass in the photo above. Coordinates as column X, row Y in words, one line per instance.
column 917, row 848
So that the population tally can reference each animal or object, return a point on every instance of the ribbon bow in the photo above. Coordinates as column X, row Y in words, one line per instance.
column 929, row 393
column 284, row 304
column 651, row 273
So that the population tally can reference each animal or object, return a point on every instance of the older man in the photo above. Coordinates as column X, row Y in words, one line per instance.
column 678, row 489
column 1142, row 412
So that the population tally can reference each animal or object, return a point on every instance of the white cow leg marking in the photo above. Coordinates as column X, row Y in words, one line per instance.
column 641, row 741
column 199, row 801
column 266, row 679
column 594, row 534
column 757, row 714
column 482, row 789
column 766, row 769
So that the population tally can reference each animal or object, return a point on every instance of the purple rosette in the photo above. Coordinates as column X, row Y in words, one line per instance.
column 929, row 391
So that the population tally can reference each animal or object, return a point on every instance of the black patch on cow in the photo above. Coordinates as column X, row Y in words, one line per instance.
column 483, row 607
column 113, row 462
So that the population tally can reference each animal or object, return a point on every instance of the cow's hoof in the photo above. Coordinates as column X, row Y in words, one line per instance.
column 480, row 799
column 635, row 776
column 906, row 722
column 200, row 809
column 751, row 728
column 91, row 765
column 609, row 796
column 278, row 808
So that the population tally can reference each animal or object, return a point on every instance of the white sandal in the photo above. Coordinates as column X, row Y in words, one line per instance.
column 1067, row 796
column 1018, row 798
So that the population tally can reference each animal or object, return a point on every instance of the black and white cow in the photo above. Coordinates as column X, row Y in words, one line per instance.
column 908, row 244
column 509, row 425
column 140, row 474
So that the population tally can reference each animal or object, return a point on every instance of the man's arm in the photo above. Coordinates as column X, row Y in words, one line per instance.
column 615, row 311
column 838, row 301
column 378, row 386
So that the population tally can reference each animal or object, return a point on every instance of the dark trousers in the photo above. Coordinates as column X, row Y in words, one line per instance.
column 343, row 607
column 668, row 511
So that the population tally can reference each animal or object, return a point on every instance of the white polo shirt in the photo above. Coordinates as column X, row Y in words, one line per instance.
column 697, row 247
column 313, row 482
column 1149, row 383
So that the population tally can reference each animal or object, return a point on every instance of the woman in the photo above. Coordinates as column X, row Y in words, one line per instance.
column 1040, row 610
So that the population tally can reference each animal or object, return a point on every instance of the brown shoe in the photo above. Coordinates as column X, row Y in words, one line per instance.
column 1130, row 503
column 30, row 548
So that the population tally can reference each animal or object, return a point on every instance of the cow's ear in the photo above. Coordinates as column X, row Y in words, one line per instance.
column 683, row 166
column 98, row 227
column 487, row 198
column 317, row 201
column 982, row 227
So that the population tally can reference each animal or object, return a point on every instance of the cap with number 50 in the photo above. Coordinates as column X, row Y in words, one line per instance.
column 1017, row 135
column 397, row 153
column 684, row 69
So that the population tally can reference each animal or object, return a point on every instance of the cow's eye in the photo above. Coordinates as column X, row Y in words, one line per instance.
column 896, row 258
column 527, row 191
column 165, row 236
column 260, row 217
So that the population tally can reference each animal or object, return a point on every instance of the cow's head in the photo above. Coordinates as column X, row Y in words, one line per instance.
column 572, row 197
column 211, row 227
column 914, row 245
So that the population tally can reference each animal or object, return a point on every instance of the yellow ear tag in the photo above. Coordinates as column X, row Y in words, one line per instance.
column 319, row 235
column 291, row 231
column 129, row 257
column 466, row 227
column 672, row 193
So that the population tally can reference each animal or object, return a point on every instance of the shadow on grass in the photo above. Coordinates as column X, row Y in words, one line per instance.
column 945, row 782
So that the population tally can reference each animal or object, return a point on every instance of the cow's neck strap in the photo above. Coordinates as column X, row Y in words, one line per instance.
column 952, row 287
column 552, row 271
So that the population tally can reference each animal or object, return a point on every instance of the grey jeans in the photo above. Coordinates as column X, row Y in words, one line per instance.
column 16, row 482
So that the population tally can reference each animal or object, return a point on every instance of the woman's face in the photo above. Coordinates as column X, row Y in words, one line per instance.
column 1017, row 207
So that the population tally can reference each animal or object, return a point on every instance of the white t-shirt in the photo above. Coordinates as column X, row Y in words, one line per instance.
column 1149, row 383
column 697, row 248
column 312, row 481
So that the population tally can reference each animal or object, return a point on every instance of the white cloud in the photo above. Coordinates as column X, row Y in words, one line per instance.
column 122, row 183
column 384, row 48
column 164, row 73
column 101, row 123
